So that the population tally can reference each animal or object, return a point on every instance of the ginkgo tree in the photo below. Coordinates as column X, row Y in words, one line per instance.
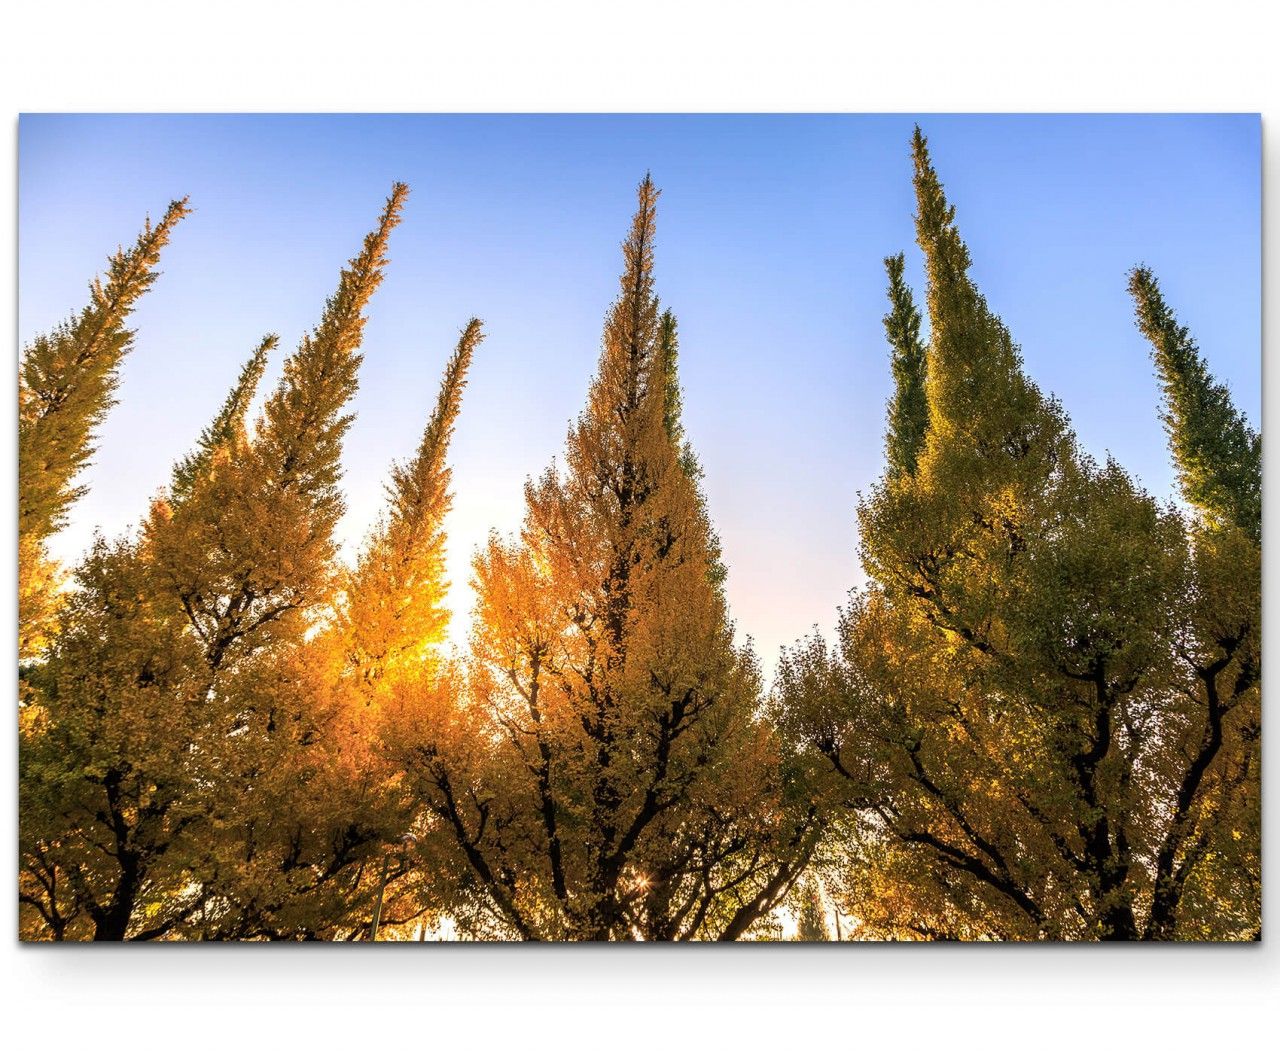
column 323, row 848
column 167, row 724
column 607, row 774
column 1040, row 718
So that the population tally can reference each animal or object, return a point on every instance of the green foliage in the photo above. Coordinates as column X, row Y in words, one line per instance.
column 811, row 919
column 1043, row 710
column 669, row 343
column 909, row 408
column 1217, row 455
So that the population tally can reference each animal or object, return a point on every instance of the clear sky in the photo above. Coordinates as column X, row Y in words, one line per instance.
column 771, row 233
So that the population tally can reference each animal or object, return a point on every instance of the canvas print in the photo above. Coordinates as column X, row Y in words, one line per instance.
column 639, row 528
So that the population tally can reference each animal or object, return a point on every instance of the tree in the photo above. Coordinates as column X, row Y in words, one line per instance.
column 66, row 384
column 1211, row 850
column 609, row 777
column 811, row 921
column 390, row 630
column 164, row 721
column 105, row 782
column 1020, row 716
column 327, row 836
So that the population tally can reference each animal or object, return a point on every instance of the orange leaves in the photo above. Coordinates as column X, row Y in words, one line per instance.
column 609, row 730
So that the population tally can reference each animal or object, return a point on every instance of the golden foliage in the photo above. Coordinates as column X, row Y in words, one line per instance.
column 1040, row 720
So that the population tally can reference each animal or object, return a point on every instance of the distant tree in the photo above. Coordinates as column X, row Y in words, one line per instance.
column 811, row 919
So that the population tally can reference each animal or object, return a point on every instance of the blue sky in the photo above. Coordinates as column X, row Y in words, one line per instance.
column 771, row 233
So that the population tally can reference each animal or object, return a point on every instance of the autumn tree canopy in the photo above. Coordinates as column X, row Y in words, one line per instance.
column 168, row 702
column 1039, row 719
column 605, row 775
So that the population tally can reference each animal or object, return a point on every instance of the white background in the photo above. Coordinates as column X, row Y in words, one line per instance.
column 659, row 55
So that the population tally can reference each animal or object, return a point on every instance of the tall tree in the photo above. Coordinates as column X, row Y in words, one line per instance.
column 611, row 778
column 324, row 841
column 1215, row 810
column 66, row 384
column 1020, row 714
column 389, row 635
column 160, row 729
